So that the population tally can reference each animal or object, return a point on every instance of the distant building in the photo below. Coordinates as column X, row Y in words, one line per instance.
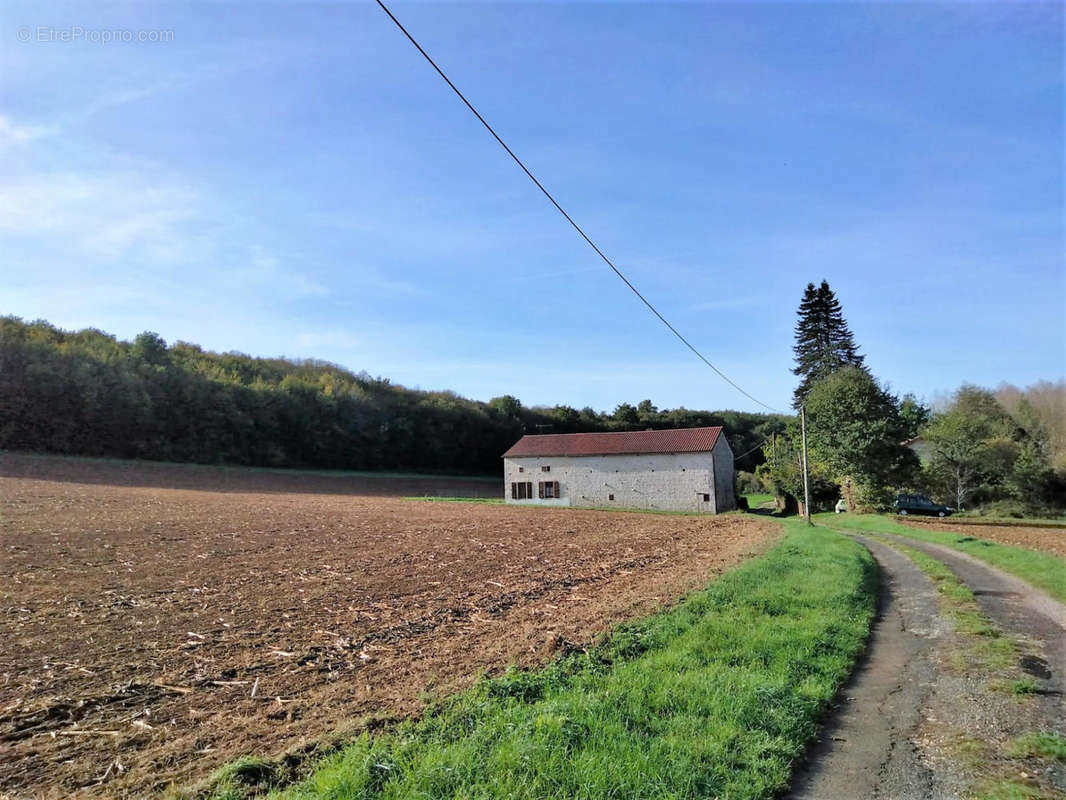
column 686, row 469
column 922, row 448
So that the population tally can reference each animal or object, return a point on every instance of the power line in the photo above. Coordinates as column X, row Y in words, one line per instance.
column 568, row 218
column 756, row 447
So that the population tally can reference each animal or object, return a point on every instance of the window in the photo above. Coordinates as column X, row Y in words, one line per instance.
column 610, row 497
column 522, row 490
column 521, row 469
column 545, row 469
column 548, row 490
column 706, row 498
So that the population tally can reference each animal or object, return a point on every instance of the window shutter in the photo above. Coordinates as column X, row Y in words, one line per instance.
column 540, row 489
column 529, row 489
column 557, row 489
column 514, row 490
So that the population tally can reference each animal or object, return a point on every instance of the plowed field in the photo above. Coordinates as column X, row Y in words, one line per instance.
column 152, row 633
column 1047, row 540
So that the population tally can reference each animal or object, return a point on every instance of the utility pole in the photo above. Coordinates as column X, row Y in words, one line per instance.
column 806, row 485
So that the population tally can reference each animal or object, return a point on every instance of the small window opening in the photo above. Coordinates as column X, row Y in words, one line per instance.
column 545, row 469
column 610, row 497
column 706, row 498
column 548, row 490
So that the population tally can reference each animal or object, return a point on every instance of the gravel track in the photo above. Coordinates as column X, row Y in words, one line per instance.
column 894, row 730
column 1019, row 609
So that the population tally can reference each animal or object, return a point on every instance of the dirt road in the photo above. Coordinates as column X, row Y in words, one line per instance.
column 1019, row 609
column 915, row 712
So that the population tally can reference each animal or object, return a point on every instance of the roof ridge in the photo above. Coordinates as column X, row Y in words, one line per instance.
column 699, row 439
column 608, row 433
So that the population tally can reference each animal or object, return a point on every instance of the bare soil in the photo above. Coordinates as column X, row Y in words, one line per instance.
column 1047, row 540
column 153, row 633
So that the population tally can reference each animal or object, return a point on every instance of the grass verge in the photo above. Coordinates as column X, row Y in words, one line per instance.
column 758, row 500
column 1039, row 745
column 1043, row 570
column 714, row 697
column 542, row 506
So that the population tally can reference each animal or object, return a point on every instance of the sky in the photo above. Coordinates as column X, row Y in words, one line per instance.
column 294, row 179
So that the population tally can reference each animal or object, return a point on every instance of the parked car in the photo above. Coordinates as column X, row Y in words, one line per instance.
column 841, row 506
column 919, row 504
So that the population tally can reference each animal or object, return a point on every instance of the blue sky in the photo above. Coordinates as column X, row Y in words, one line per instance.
column 293, row 179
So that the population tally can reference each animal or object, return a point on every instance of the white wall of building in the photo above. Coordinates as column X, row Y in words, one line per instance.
column 668, row 481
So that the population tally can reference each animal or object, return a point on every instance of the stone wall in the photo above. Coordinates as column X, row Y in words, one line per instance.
column 670, row 481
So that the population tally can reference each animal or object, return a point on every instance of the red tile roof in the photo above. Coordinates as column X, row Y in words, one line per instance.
column 678, row 440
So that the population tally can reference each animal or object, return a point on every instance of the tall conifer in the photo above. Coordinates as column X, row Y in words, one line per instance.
column 824, row 342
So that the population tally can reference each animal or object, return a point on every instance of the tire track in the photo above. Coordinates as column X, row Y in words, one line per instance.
column 1021, row 610
column 891, row 736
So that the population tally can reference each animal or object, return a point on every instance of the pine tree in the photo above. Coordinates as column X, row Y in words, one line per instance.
column 824, row 342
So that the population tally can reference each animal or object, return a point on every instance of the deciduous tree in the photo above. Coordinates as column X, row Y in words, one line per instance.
column 856, row 429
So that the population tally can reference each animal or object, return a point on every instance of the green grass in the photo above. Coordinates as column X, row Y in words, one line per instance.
column 1024, row 686
column 1012, row 789
column 1038, row 745
column 756, row 500
column 714, row 697
column 1043, row 570
column 542, row 507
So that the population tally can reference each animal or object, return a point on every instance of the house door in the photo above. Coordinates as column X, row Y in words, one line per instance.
column 704, row 503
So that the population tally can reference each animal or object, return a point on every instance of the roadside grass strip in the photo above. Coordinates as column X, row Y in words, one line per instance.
column 1014, row 789
column 496, row 501
column 759, row 500
column 1038, row 745
column 1043, row 570
column 714, row 697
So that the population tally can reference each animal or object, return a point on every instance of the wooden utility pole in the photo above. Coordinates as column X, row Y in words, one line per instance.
column 806, row 484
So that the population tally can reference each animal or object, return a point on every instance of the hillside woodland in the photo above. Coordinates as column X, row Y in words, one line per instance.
column 88, row 393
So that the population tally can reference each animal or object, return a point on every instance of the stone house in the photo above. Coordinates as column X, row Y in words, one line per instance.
column 685, row 469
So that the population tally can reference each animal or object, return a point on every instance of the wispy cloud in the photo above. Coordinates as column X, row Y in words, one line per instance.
column 265, row 270
column 106, row 215
column 12, row 133
column 727, row 303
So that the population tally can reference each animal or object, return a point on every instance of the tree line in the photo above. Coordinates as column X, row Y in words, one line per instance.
column 88, row 393
column 1004, row 451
